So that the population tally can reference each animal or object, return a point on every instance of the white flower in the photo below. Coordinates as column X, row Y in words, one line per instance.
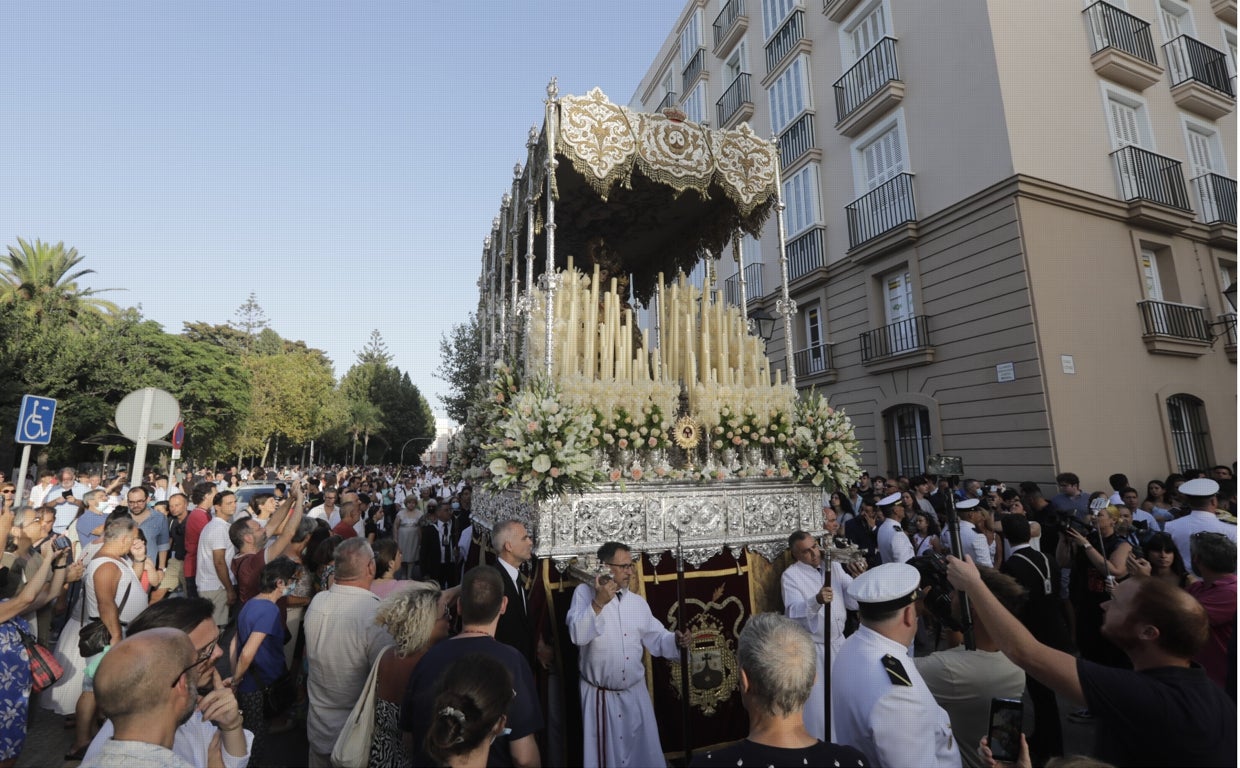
column 542, row 463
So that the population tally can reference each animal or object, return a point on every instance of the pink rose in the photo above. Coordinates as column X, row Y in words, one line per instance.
column 613, row 475
column 636, row 473
column 555, row 471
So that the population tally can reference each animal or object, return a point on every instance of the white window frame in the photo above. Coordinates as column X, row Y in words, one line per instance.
column 740, row 52
column 858, row 147
column 1218, row 158
column 687, row 105
column 1111, row 92
column 669, row 82
column 689, row 34
column 847, row 59
column 1226, row 275
column 771, row 25
column 775, row 97
column 1227, row 34
column 799, row 206
column 815, row 358
column 1187, row 24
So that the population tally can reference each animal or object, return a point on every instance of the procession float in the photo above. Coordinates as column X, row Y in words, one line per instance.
column 624, row 402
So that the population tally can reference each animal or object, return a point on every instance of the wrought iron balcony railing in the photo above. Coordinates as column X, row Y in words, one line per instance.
column 1146, row 176
column 865, row 78
column 670, row 100
column 1179, row 321
column 1216, row 198
column 692, row 70
column 796, row 140
column 735, row 97
column 890, row 340
column 1190, row 59
column 753, row 285
column 881, row 210
column 732, row 11
column 1111, row 27
column 814, row 359
column 1228, row 321
column 784, row 39
column 806, row 253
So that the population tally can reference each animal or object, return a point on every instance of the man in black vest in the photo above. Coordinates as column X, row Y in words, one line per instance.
column 440, row 560
column 517, row 627
column 862, row 530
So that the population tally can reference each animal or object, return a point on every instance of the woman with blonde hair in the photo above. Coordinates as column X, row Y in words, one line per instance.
column 417, row 617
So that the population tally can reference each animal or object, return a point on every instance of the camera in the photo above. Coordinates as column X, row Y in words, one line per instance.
column 1066, row 520
column 938, row 599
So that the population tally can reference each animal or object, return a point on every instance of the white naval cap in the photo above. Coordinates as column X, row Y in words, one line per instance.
column 1202, row 486
column 967, row 503
column 892, row 499
column 885, row 587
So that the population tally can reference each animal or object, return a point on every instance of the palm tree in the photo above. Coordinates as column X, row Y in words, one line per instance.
column 43, row 276
column 365, row 419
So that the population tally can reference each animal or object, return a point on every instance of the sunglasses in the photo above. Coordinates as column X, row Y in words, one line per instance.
column 203, row 656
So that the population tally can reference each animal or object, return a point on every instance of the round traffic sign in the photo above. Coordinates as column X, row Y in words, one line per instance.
column 178, row 435
column 163, row 413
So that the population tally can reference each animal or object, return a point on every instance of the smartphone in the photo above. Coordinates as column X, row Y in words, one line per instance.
column 1005, row 721
column 61, row 542
column 66, row 494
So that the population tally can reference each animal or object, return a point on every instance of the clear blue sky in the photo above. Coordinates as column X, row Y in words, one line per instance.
column 342, row 160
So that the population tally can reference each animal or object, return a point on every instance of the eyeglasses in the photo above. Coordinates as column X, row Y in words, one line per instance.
column 203, row 656
column 623, row 566
column 8, row 490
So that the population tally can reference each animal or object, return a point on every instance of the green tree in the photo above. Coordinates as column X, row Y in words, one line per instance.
column 375, row 351
column 365, row 418
column 43, row 278
column 460, row 365
column 250, row 320
column 224, row 336
column 288, row 395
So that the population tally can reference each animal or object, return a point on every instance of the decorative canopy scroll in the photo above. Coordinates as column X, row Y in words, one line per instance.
column 659, row 191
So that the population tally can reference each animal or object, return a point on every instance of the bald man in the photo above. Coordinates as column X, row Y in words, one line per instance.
column 132, row 688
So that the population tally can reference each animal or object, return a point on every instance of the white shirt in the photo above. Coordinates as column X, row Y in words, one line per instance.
column 65, row 512
column 800, row 584
column 214, row 536
column 134, row 754
column 320, row 513
column 893, row 543
column 190, row 743
column 972, row 543
column 895, row 725
column 1197, row 521
column 342, row 643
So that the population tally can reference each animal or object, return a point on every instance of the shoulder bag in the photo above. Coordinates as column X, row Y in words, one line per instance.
column 352, row 748
column 94, row 636
column 44, row 669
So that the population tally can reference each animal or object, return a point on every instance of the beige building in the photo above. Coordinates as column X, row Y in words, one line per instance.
column 1010, row 225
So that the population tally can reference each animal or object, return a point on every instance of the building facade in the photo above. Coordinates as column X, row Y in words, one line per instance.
column 1010, row 227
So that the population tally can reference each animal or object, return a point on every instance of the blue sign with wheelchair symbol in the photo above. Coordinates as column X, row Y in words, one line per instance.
column 34, row 423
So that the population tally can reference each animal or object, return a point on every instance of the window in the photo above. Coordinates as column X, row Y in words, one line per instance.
column 908, row 439
column 878, row 157
column 1128, row 119
column 774, row 12
column 1187, row 419
column 790, row 94
column 899, row 312
column 695, row 103
column 734, row 65
column 1229, row 40
column 669, row 83
column 801, row 200
column 690, row 38
column 863, row 34
column 1204, row 156
column 1175, row 20
column 1149, row 273
column 1226, row 279
column 816, row 360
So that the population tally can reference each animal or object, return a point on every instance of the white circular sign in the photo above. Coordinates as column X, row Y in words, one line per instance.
column 163, row 415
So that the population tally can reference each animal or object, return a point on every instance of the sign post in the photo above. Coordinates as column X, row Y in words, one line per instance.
column 145, row 415
column 178, row 439
column 34, row 427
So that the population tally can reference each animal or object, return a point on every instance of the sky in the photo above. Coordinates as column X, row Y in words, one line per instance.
column 341, row 160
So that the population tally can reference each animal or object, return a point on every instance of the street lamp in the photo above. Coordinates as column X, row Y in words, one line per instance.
column 407, row 442
column 764, row 323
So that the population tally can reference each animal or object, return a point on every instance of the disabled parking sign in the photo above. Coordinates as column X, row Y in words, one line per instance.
column 34, row 422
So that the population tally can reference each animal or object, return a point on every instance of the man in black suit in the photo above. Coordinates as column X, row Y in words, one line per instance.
column 517, row 627
column 439, row 546
column 1042, row 616
column 862, row 530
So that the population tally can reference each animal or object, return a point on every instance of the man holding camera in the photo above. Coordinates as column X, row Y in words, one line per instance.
column 1163, row 711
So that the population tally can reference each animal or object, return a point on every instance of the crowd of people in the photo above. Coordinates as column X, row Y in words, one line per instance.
column 191, row 631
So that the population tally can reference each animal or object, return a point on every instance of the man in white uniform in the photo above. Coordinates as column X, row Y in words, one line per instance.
column 611, row 625
column 1201, row 496
column 972, row 542
column 894, row 545
column 879, row 702
column 804, row 596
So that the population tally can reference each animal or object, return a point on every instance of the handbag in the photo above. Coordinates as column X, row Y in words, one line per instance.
column 94, row 636
column 352, row 748
column 44, row 669
column 279, row 696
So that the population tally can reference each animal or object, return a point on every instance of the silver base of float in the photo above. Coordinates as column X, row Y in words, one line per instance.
column 753, row 514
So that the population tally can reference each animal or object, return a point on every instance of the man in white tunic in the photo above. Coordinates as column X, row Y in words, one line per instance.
column 1201, row 496
column 879, row 702
column 611, row 625
column 804, row 596
column 894, row 545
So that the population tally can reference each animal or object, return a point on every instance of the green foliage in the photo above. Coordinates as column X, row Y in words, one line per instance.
column 460, row 365
column 41, row 278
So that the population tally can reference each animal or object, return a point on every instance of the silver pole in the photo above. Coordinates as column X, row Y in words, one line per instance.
column 740, row 271
column 484, row 322
column 785, row 306
column 530, row 143
column 553, row 90
column 513, row 248
column 502, row 275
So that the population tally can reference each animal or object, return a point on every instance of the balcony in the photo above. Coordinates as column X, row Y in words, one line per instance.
column 1200, row 81
column 1123, row 50
column 1153, row 187
column 730, row 25
column 1228, row 321
column 869, row 89
column 796, row 140
column 815, row 361
column 1216, row 207
column 735, row 105
column 670, row 100
column 903, row 344
column 806, row 253
column 886, row 217
column 693, row 70
column 1225, row 10
column 753, row 285
column 1174, row 329
column 785, row 39
column 838, row 10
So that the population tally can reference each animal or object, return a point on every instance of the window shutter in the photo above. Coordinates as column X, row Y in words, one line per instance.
column 883, row 160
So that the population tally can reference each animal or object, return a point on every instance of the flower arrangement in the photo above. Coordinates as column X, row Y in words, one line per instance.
column 540, row 444
column 467, row 458
column 822, row 446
